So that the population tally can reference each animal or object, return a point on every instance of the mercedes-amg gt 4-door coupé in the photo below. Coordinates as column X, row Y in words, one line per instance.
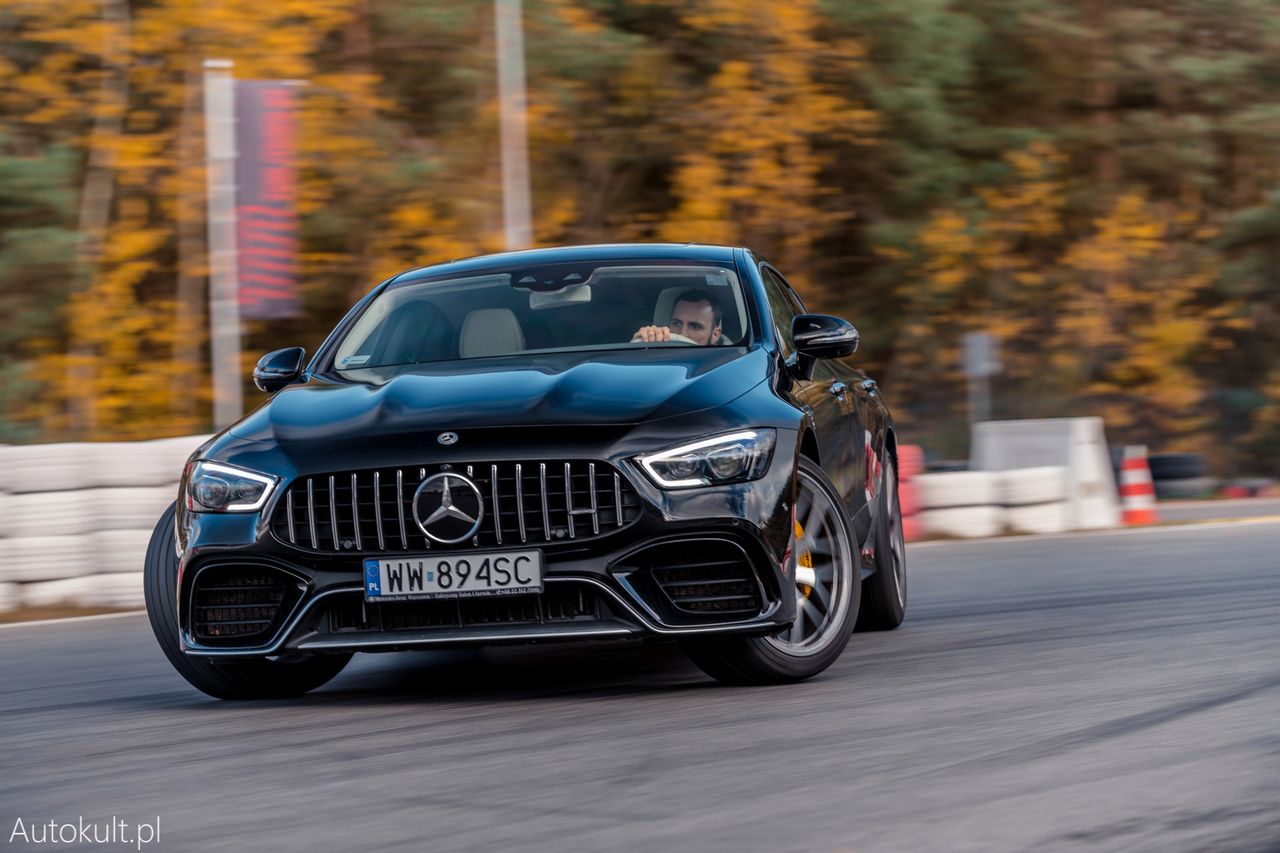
column 548, row 445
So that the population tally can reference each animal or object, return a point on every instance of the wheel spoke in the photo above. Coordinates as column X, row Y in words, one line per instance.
column 815, row 616
column 824, row 594
column 806, row 576
column 808, row 521
column 819, row 548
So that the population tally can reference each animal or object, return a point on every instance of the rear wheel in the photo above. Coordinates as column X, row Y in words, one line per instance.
column 884, row 594
column 243, row 679
column 827, row 595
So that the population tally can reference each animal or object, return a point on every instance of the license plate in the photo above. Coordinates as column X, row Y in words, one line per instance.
column 453, row 576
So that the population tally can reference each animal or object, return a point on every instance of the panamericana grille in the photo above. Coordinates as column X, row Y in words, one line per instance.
column 239, row 603
column 524, row 502
column 560, row 603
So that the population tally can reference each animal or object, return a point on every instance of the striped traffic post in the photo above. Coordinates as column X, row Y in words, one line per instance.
column 1137, row 491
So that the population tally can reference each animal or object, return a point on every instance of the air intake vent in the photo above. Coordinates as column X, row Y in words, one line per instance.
column 712, row 587
column 560, row 603
column 239, row 605
column 524, row 503
column 697, row 580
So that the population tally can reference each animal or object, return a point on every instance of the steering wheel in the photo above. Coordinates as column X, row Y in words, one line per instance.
column 675, row 339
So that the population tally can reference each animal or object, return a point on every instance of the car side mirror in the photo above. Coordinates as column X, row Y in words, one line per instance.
column 821, row 336
column 278, row 369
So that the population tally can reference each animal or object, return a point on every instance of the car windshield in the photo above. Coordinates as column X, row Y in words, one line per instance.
column 551, row 308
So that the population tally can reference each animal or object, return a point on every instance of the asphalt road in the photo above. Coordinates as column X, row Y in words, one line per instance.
column 1096, row 692
column 1183, row 511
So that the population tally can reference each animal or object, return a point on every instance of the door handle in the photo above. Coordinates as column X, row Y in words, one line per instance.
column 837, row 389
column 869, row 385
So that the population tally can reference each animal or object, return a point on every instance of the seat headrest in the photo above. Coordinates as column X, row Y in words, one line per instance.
column 490, row 331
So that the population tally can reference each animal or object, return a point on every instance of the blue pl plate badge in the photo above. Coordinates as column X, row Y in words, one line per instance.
column 372, row 578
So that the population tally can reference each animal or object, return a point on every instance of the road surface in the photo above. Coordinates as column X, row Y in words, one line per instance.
column 1097, row 692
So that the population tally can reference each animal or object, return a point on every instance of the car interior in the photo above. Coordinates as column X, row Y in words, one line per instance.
column 486, row 316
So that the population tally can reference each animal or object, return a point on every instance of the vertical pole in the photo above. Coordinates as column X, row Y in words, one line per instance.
column 224, row 287
column 516, row 205
column 979, row 399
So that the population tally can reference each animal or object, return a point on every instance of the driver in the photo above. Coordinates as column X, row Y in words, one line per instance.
column 696, row 314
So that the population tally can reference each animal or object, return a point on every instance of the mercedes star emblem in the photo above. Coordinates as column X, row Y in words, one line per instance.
column 448, row 508
column 447, row 438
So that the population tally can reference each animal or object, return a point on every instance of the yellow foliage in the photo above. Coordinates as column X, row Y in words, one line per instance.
column 753, row 167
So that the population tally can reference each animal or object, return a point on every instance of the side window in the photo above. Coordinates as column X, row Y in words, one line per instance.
column 783, row 305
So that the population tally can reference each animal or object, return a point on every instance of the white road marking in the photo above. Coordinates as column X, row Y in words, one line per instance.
column 1117, row 531
column 70, row 619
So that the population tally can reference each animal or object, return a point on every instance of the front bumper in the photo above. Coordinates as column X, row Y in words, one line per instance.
column 604, row 588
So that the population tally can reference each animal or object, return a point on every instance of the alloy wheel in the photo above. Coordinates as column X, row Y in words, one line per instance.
column 823, row 572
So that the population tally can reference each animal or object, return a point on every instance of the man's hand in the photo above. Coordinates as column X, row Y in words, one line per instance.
column 652, row 334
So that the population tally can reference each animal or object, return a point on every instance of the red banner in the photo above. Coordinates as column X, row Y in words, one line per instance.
column 266, row 215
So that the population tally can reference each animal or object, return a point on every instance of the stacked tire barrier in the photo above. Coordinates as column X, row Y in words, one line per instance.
column 1180, row 476
column 75, row 519
column 968, row 504
column 910, row 466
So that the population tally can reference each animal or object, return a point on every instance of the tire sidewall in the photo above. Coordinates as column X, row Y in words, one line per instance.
column 159, row 587
column 804, row 666
column 884, row 547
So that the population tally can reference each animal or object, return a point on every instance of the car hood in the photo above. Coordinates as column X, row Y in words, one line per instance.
column 627, row 387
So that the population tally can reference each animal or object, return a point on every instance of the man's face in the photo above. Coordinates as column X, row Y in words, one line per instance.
column 696, row 321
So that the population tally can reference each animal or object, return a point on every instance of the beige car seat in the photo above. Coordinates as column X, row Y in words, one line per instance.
column 490, row 331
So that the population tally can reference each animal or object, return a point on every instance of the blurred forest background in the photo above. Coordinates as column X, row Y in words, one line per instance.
column 1095, row 183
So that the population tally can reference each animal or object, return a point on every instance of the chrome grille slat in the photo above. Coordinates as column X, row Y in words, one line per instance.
column 404, row 539
column 301, row 521
column 355, row 509
column 497, row 504
column 617, row 497
column 546, row 516
column 568, row 496
column 333, row 512
column 520, row 503
column 595, row 510
column 311, row 513
column 377, row 509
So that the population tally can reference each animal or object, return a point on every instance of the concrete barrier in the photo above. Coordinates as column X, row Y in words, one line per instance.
column 970, row 504
column 75, row 519
column 1077, row 445
column 959, row 504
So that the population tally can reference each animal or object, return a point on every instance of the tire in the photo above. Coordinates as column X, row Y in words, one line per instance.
column 1188, row 489
column 1027, row 486
column 1176, row 466
column 957, row 489
column 1037, row 518
column 884, row 594
column 241, row 679
column 794, row 655
column 963, row 522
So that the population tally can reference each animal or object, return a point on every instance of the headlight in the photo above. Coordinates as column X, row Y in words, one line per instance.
column 731, row 458
column 215, row 487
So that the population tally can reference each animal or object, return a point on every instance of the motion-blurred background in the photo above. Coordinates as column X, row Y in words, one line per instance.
column 1094, row 184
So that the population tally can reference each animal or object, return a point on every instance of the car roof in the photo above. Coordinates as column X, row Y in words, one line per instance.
column 573, row 254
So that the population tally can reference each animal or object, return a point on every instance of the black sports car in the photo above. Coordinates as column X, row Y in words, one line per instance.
column 556, row 444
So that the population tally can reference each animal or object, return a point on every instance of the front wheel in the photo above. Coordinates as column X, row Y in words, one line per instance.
column 242, row 679
column 827, row 595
